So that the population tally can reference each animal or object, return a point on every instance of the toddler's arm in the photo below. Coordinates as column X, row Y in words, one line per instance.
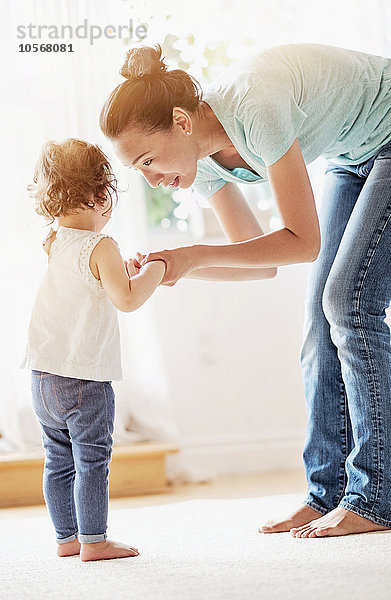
column 127, row 294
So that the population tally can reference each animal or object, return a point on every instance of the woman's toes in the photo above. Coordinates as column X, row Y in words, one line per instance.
column 307, row 532
column 322, row 531
column 313, row 533
column 300, row 529
column 302, row 533
column 297, row 532
column 294, row 531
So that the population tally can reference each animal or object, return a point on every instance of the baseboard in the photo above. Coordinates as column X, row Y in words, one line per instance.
column 202, row 460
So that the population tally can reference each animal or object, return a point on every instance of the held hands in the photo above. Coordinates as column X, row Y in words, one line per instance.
column 178, row 263
column 132, row 267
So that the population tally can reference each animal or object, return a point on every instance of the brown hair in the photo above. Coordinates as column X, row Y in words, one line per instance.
column 70, row 175
column 147, row 97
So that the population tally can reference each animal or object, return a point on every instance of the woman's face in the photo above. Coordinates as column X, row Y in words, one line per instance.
column 166, row 158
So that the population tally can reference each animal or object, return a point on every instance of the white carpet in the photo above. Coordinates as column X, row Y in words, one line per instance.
column 196, row 550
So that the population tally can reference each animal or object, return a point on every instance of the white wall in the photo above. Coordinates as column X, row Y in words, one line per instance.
column 231, row 356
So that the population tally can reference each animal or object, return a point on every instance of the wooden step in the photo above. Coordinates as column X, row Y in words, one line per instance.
column 134, row 470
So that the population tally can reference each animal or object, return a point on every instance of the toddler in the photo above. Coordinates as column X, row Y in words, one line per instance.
column 73, row 346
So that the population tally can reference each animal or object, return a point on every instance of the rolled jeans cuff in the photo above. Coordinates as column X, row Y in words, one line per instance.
column 316, row 507
column 92, row 539
column 70, row 538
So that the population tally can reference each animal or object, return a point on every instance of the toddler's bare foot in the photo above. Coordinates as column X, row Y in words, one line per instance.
column 69, row 549
column 299, row 517
column 106, row 550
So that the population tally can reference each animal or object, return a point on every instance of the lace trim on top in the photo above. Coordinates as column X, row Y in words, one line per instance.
column 84, row 258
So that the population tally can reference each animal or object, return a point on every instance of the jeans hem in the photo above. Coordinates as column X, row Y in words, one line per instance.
column 92, row 539
column 70, row 538
column 365, row 514
column 316, row 507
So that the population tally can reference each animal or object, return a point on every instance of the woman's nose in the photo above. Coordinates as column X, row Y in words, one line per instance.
column 153, row 180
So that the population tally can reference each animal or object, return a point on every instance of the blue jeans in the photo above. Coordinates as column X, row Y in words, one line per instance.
column 346, row 352
column 77, row 420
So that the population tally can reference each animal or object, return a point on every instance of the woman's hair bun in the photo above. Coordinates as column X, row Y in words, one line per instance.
column 143, row 60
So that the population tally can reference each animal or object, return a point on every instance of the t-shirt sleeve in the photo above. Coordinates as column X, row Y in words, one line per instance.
column 272, row 120
column 206, row 182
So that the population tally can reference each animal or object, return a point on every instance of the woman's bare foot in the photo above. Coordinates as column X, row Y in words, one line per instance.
column 106, row 550
column 299, row 517
column 69, row 549
column 339, row 521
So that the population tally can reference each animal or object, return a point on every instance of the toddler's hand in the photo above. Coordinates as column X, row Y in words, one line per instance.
column 138, row 259
column 132, row 267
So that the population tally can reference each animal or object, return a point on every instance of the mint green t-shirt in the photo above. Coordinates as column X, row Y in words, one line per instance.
column 336, row 101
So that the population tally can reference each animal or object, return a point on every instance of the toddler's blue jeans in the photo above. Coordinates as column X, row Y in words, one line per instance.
column 346, row 352
column 77, row 420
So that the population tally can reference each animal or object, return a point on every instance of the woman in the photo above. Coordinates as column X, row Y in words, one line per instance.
column 265, row 117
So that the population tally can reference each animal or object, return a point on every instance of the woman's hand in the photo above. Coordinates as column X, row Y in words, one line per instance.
column 178, row 263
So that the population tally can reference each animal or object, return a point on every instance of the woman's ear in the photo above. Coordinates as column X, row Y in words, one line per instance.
column 182, row 119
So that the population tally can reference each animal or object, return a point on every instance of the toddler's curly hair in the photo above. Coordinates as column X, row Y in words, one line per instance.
column 70, row 175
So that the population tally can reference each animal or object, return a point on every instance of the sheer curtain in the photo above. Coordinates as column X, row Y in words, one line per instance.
column 54, row 96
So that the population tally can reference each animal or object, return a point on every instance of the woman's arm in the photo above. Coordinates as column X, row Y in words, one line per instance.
column 239, row 223
column 220, row 273
column 127, row 294
column 298, row 240
column 231, row 273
